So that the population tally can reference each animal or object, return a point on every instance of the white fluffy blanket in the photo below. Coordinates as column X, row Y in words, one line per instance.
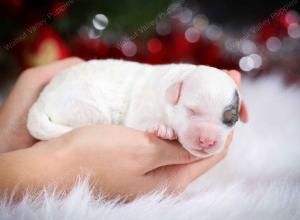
column 261, row 179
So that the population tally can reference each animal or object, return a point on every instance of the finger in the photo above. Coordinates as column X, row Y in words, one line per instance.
column 235, row 75
column 244, row 113
column 177, row 177
column 36, row 78
column 47, row 72
column 33, row 80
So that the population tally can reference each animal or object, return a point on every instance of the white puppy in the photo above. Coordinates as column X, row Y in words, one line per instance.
column 197, row 104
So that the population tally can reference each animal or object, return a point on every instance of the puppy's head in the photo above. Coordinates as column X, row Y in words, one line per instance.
column 203, row 108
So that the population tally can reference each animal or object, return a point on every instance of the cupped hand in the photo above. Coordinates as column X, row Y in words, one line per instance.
column 119, row 160
column 125, row 162
column 13, row 114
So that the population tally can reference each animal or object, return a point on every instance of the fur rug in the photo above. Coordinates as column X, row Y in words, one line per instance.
column 259, row 179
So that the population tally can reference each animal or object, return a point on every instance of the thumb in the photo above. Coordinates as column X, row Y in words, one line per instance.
column 178, row 177
column 192, row 171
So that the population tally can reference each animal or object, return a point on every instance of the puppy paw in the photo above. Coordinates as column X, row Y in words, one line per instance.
column 163, row 132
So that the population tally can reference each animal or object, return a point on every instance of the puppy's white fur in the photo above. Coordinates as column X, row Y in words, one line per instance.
column 138, row 96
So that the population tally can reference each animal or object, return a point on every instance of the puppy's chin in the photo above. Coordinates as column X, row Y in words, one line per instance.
column 203, row 153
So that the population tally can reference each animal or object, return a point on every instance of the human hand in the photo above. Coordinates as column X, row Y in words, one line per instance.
column 121, row 161
column 13, row 114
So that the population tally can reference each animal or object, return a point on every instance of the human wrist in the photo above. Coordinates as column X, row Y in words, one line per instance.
column 58, row 158
column 22, row 170
column 45, row 164
column 14, row 134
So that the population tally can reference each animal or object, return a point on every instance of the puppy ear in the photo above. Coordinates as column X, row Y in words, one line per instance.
column 243, row 113
column 173, row 93
column 235, row 75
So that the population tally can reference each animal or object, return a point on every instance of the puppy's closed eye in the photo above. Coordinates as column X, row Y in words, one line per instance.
column 192, row 110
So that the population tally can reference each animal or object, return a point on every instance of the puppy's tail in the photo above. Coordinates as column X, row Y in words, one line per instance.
column 41, row 127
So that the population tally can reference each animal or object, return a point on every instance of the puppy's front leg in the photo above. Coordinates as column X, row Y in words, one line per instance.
column 163, row 131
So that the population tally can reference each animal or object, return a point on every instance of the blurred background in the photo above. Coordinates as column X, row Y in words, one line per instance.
column 256, row 37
